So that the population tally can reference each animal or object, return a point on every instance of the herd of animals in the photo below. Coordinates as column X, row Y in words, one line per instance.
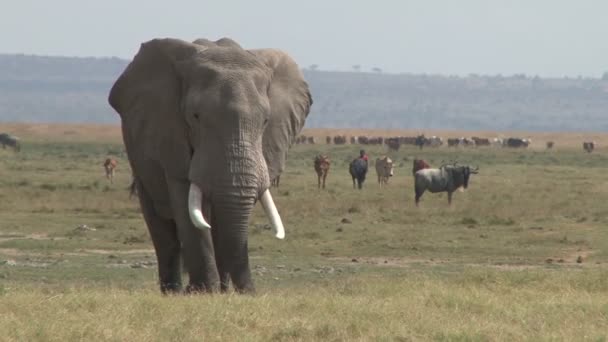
column 421, row 141
column 447, row 178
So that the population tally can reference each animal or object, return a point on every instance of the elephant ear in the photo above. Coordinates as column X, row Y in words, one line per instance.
column 147, row 95
column 290, row 102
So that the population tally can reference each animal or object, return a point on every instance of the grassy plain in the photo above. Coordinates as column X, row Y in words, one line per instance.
column 521, row 255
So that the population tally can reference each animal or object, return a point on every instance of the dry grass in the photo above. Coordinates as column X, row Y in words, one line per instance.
column 521, row 255
column 476, row 305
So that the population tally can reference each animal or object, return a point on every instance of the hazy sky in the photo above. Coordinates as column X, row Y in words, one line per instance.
column 544, row 37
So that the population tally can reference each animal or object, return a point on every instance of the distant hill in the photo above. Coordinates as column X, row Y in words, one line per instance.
column 71, row 90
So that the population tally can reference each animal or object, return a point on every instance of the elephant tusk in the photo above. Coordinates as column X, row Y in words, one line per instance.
column 273, row 215
column 195, row 199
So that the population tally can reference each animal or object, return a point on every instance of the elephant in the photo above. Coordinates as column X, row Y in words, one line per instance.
column 206, row 126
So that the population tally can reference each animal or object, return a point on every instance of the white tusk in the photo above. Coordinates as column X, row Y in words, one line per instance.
column 195, row 198
column 273, row 215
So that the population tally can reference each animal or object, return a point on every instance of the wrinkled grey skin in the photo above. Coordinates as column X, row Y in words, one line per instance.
column 445, row 179
column 10, row 141
column 221, row 117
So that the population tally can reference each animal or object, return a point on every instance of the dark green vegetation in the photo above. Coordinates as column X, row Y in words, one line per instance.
column 520, row 255
column 62, row 89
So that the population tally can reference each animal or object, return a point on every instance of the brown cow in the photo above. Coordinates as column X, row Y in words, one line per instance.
column 419, row 164
column 322, row 164
column 109, row 165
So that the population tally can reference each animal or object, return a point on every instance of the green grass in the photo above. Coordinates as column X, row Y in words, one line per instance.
column 521, row 255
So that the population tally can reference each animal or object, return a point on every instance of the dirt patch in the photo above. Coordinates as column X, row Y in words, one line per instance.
column 387, row 261
column 109, row 251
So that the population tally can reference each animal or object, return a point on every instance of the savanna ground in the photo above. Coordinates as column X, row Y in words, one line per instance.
column 521, row 255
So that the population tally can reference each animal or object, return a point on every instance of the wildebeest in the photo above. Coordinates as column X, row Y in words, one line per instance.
column 358, row 171
column 420, row 141
column 419, row 164
column 322, row 164
column 384, row 169
column 445, row 179
column 340, row 140
column 453, row 142
column 109, row 166
column 310, row 140
column 589, row 146
column 275, row 182
column 481, row 141
column 516, row 142
column 11, row 141
column 328, row 140
column 393, row 143
column 550, row 145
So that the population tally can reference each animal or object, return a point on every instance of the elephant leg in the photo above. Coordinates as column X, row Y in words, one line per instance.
column 197, row 244
column 164, row 237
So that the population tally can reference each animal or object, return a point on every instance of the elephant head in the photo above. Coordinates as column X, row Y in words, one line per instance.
column 218, row 117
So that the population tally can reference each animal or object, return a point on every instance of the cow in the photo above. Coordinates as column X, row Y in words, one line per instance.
column 481, row 141
column 358, row 171
column 466, row 142
column 445, row 179
column 434, row 141
column 549, row 145
column 419, row 164
column 322, row 164
column 109, row 166
column 384, row 169
column 589, row 146
column 10, row 141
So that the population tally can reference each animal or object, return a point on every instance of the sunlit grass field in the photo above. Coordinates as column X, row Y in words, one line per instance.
column 521, row 255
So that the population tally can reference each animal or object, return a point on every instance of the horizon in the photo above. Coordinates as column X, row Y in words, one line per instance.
column 351, row 70
column 551, row 39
